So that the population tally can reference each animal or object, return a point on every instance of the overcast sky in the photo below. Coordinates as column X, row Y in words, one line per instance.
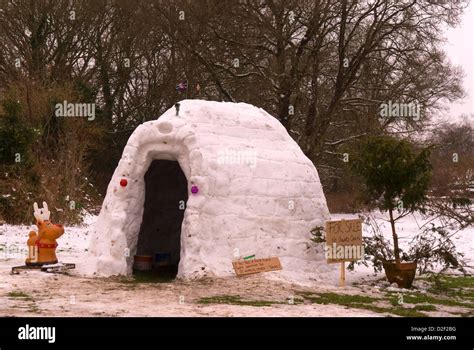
column 460, row 48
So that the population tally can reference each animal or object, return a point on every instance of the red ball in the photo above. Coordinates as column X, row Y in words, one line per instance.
column 123, row 182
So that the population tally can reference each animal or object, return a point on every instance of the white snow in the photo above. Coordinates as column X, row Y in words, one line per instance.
column 266, row 205
column 72, row 294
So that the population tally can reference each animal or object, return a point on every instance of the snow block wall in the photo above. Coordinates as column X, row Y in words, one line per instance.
column 258, row 193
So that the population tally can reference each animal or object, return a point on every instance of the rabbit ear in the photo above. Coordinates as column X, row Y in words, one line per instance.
column 37, row 212
column 46, row 213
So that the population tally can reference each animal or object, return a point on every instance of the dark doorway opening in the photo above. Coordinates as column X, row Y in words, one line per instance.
column 166, row 195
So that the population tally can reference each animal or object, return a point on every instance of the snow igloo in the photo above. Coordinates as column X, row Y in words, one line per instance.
column 213, row 183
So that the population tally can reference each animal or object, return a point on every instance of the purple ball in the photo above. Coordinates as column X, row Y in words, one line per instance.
column 194, row 189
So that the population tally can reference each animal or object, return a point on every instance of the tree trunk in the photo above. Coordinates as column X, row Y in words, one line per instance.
column 395, row 237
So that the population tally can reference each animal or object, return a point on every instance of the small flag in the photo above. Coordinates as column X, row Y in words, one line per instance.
column 249, row 257
column 182, row 86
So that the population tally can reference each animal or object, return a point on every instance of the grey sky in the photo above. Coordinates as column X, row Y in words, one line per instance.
column 460, row 49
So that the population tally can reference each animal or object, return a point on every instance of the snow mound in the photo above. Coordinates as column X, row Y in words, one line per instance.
column 258, row 193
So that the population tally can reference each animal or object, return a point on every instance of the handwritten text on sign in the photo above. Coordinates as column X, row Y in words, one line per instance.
column 344, row 240
column 248, row 267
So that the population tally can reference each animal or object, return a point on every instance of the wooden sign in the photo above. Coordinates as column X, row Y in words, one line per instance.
column 248, row 267
column 343, row 243
column 343, row 240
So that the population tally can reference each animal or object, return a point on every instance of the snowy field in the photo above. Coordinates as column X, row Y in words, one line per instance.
column 34, row 293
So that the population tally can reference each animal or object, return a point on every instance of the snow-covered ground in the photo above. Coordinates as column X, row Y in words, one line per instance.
column 37, row 293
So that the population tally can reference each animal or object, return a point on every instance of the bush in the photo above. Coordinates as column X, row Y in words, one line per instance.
column 52, row 152
column 15, row 136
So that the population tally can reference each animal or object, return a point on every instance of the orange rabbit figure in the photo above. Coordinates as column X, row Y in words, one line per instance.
column 42, row 245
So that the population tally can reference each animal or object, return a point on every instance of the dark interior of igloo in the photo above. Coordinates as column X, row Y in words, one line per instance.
column 160, row 232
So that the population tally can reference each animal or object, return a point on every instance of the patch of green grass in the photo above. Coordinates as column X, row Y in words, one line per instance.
column 425, row 307
column 454, row 291
column 361, row 302
column 454, row 281
column 453, row 286
column 407, row 312
column 395, row 301
column 237, row 300
column 20, row 295
column 340, row 299
column 426, row 299
column 34, row 309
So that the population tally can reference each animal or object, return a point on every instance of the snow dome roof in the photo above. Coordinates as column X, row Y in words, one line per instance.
column 257, row 192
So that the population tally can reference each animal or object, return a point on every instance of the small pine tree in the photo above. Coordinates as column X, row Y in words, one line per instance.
column 395, row 175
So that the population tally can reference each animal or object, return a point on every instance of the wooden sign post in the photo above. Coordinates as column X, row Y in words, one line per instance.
column 342, row 275
column 343, row 243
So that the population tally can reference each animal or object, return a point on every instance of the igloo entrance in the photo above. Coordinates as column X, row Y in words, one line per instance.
column 160, row 232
